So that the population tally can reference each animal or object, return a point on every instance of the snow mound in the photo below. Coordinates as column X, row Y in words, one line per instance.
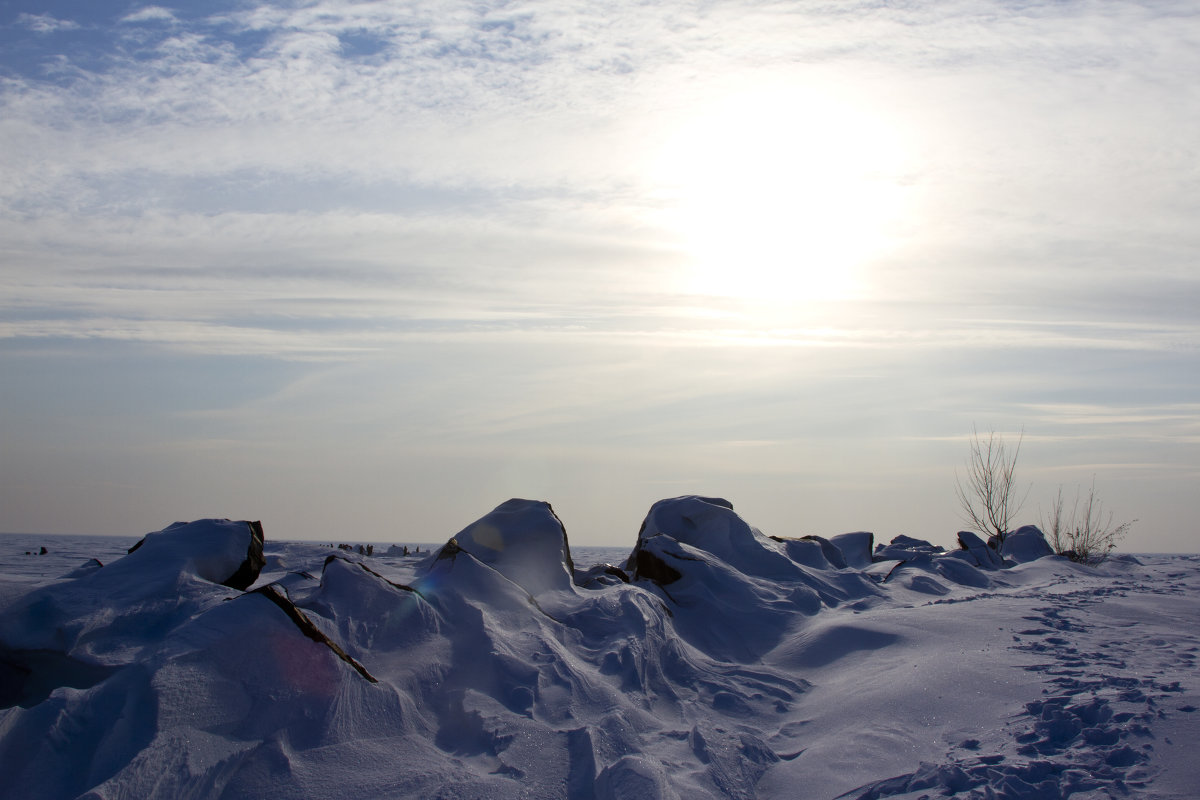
column 104, row 614
column 734, row 592
column 722, row 663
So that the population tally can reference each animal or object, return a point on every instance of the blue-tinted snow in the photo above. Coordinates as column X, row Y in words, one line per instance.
column 751, row 667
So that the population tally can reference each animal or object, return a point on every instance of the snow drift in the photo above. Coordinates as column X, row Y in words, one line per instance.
column 715, row 661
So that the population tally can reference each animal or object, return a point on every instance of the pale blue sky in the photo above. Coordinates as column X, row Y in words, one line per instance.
column 366, row 270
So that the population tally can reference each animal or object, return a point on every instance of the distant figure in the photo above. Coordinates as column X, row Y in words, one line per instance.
column 43, row 552
column 370, row 549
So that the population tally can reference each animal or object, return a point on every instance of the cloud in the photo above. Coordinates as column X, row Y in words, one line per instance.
column 1163, row 421
column 149, row 14
column 45, row 23
column 472, row 94
column 485, row 164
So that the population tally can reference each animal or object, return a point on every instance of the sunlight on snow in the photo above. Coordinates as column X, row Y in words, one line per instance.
column 782, row 194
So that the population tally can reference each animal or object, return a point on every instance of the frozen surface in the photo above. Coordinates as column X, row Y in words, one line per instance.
column 507, row 664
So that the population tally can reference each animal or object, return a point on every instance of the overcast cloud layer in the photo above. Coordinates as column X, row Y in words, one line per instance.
column 364, row 270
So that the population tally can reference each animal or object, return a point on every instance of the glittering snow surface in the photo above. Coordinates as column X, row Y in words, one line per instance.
column 710, row 661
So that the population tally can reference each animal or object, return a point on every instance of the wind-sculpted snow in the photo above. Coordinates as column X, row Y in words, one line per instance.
column 715, row 661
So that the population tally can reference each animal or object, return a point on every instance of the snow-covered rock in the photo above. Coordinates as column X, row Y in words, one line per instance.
column 813, row 551
column 106, row 614
column 731, row 589
column 525, row 541
column 634, row 778
column 856, row 548
column 905, row 548
column 601, row 575
column 708, row 523
column 711, row 525
column 985, row 557
column 1026, row 543
column 219, row 550
column 86, row 568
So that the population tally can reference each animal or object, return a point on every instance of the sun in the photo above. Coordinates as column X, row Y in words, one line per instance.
column 781, row 193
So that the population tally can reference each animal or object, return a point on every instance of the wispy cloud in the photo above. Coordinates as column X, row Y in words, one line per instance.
column 44, row 23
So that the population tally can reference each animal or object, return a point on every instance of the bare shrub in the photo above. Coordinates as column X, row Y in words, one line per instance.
column 1086, row 534
column 988, row 496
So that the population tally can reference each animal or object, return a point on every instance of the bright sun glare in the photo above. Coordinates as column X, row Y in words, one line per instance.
column 781, row 194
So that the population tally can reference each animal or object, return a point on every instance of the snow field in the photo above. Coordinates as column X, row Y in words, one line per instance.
column 715, row 662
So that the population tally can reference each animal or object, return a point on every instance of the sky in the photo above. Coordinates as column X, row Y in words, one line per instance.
column 365, row 270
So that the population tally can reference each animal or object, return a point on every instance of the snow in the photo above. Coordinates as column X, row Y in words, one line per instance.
column 708, row 660
column 1025, row 544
